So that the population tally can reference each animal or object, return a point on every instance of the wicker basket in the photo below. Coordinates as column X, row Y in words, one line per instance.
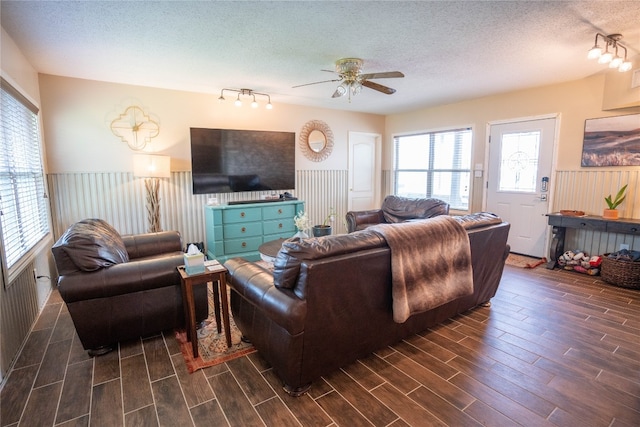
column 625, row 274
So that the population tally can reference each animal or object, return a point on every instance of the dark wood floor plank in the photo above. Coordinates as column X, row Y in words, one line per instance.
column 136, row 388
column 393, row 375
column 363, row 375
column 107, row 367
column 157, row 356
column 442, row 409
column 142, row 417
column 405, row 407
column 34, row 349
column 341, row 411
column 194, row 385
column 130, row 348
column 54, row 363
column 170, row 405
column 76, row 392
column 488, row 416
column 15, row 393
column 251, row 381
column 41, row 406
column 237, row 408
column 48, row 316
column 457, row 397
column 426, row 359
column 64, row 330
column 378, row 414
column 106, row 404
column 77, row 353
column 627, row 385
column 208, row 414
column 304, row 408
column 428, row 347
column 274, row 413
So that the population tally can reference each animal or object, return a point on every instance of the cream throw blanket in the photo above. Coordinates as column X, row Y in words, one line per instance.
column 430, row 264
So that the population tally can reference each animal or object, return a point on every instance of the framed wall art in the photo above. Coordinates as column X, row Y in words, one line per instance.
column 612, row 141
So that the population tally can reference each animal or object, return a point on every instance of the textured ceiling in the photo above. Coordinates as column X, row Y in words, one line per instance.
column 449, row 51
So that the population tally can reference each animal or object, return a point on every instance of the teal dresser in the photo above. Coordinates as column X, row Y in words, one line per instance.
column 238, row 230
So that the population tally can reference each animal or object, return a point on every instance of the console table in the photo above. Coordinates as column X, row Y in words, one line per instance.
column 561, row 222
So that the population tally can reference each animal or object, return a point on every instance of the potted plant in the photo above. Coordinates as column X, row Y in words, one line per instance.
column 612, row 212
column 324, row 229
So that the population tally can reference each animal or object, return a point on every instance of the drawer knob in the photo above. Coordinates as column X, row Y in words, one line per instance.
column 634, row 229
column 280, row 225
column 242, row 214
column 583, row 224
column 280, row 211
column 244, row 244
column 244, row 229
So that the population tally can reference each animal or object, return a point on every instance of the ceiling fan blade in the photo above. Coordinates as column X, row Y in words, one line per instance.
column 385, row 75
column 315, row 83
column 378, row 87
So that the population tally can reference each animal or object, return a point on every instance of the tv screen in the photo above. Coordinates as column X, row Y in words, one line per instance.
column 228, row 160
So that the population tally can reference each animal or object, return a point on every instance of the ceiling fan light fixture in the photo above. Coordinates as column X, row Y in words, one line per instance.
column 342, row 89
column 595, row 52
column 625, row 66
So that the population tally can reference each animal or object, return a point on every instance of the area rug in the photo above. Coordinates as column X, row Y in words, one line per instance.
column 212, row 345
column 524, row 261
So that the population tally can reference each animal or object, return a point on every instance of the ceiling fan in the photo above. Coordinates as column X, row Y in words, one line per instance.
column 352, row 80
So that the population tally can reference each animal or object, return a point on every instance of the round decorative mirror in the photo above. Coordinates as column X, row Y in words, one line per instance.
column 316, row 140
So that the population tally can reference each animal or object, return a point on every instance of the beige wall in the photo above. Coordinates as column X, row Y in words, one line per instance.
column 77, row 114
column 573, row 101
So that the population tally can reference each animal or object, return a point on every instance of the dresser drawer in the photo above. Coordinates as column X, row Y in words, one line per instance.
column 242, row 230
column 577, row 222
column 242, row 245
column 241, row 215
column 276, row 227
column 275, row 212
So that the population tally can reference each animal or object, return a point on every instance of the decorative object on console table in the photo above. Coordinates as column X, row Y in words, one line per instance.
column 152, row 167
column 612, row 212
column 325, row 229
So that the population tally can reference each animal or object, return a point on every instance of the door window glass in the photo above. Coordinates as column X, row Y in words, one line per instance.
column 519, row 161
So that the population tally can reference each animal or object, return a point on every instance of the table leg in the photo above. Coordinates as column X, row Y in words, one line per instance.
column 225, row 307
column 216, row 304
column 556, row 249
column 192, row 334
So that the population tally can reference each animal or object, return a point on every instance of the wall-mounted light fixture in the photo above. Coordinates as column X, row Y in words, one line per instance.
column 610, row 55
column 244, row 93
column 152, row 167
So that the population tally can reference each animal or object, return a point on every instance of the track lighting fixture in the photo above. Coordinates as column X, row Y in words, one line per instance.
column 610, row 55
column 246, row 92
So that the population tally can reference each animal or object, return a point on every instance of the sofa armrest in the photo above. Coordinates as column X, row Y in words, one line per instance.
column 359, row 220
column 119, row 279
column 150, row 244
column 255, row 284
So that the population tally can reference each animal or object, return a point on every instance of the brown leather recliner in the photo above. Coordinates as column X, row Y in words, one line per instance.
column 121, row 287
column 396, row 209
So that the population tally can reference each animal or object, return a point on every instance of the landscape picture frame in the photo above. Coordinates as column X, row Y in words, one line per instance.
column 611, row 141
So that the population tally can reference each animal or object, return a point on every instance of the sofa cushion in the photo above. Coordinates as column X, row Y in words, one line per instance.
column 478, row 219
column 287, row 263
column 399, row 209
column 89, row 245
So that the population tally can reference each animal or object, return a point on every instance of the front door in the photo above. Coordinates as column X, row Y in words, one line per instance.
column 364, row 171
column 518, row 183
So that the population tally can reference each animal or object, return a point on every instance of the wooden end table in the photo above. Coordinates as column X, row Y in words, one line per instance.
column 219, row 275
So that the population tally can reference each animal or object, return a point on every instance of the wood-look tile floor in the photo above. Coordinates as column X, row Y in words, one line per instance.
column 555, row 348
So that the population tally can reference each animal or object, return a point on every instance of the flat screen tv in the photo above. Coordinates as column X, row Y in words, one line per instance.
column 228, row 160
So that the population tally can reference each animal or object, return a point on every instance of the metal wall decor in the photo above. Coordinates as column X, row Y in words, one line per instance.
column 316, row 140
column 135, row 128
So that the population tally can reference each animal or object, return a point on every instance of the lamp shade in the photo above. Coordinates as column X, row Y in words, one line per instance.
column 151, row 166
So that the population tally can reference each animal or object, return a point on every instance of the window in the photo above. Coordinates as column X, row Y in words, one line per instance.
column 434, row 164
column 23, row 205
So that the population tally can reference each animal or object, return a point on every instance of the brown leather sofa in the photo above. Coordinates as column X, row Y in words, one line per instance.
column 396, row 209
column 121, row 287
column 328, row 301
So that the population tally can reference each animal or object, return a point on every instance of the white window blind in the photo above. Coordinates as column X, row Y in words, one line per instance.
column 23, row 204
column 434, row 164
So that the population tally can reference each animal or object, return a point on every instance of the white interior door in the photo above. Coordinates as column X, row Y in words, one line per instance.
column 364, row 171
column 518, row 182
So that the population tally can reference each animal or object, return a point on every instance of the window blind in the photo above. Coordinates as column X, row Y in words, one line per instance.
column 434, row 164
column 23, row 205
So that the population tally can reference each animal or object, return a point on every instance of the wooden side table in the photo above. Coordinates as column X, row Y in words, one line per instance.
column 187, row 282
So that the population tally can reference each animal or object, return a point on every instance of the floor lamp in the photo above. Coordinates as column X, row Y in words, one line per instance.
column 152, row 167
